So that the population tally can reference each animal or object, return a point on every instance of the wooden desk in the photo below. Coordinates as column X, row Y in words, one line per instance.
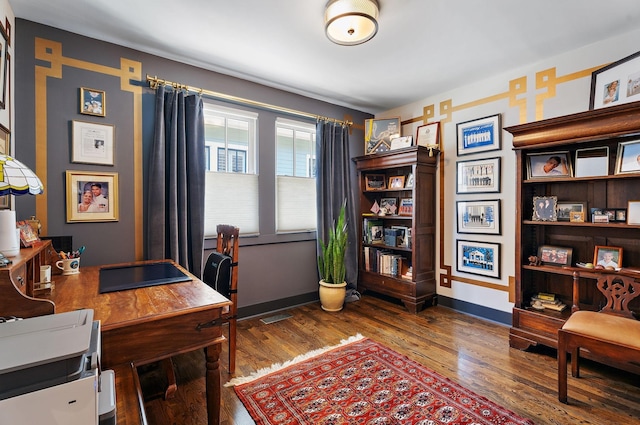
column 144, row 325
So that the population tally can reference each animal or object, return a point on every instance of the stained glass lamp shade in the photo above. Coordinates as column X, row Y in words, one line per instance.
column 17, row 179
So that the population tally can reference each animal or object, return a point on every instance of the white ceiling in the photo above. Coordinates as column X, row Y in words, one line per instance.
column 423, row 47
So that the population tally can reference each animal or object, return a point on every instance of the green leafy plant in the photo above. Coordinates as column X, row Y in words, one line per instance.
column 331, row 260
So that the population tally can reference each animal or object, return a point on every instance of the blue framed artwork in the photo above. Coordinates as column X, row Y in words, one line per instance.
column 480, row 135
column 482, row 258
column 482, row 217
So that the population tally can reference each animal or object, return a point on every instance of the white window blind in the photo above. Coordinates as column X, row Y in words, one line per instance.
column 296, row 200
column 231, row 198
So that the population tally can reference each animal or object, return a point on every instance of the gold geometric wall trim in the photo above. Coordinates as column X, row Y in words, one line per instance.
column 51, row 52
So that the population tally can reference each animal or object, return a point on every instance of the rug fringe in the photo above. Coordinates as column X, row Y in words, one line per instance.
column 277, row 366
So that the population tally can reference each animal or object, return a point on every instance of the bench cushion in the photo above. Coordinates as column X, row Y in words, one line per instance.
column 606, row 327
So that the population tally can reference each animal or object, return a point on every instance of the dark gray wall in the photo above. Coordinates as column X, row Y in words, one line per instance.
column 275, row 270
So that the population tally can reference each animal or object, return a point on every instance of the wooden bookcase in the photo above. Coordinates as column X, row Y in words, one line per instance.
column 420, row 287
column 601, row 128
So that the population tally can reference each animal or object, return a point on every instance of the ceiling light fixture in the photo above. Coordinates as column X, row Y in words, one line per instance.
column 351, row 22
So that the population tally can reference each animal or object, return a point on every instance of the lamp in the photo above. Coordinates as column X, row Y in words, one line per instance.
column 15, row 179
column 351, row 22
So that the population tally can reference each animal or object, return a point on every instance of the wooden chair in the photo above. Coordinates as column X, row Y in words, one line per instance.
column 221, row 273
column 612, row 333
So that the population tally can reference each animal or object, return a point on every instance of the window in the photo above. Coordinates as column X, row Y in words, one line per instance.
column 230, row 147
column 295, row 176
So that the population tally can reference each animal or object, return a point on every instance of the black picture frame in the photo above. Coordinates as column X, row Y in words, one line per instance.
column 481, row 258
column 478, row 176
column 480, row 135
column 378, row 134
column 625, row 73
column 4, row 65
column 560, row 161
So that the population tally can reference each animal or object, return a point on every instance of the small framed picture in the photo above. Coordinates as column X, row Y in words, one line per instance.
column 428, row 135
column 628, row 157
column 375, row 181
column 567, row 210
column 576, row 216
column 548, row 164
column 92, row 143
column 408, row 184
column 401, row 142
column 91, row 196
column 93, row 102
column 396, row 182
column 480, row 135
column 633, row 212
column 406, row 207
column 608, row 257
column 389, row 205
column 478, row 176
column 545, row 208
column 621, row 215
column 555, row 255
column 378, row 134
column 482, row 258
column 482, row 217
column 616, row 83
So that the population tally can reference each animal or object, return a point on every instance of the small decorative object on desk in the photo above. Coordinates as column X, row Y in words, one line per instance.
column 28, row 236
column 70, row 261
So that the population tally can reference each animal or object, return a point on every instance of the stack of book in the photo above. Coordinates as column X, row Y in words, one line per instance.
column 546, row 301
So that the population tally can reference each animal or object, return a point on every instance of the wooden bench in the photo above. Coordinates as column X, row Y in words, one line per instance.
column 613, row 333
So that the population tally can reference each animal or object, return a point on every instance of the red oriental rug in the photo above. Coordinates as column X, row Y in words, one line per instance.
column 363, row 382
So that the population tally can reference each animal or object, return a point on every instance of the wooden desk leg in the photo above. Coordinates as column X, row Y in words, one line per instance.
column 213, row 383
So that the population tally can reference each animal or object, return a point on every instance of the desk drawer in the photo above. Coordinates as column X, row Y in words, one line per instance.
column 19, row 277
column 153, row 340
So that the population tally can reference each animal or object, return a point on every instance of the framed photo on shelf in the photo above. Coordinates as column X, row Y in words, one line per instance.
column 548, row 164
column 555, row 255
column 92, row 143
column 480, row 135
column 633, row 212
column 607, row 256
column 91, row 196
column 408, row 184
column 378, row 134
column 396, row 182
column 93, row 102
column 375, row 181
column 481, row 258
column 592, row 162
column 406, row 207
column 482, row 217
column 389, row 205
column 401, row 142
column 566, row 210
column 621, row 215
column 545, row 208
column 478, row 176
column 428, row 135
column 628, row 157
column 616, row 83
column 5, row 146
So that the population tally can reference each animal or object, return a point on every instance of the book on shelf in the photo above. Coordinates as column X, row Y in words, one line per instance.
column 546, row 296
column 538, row 303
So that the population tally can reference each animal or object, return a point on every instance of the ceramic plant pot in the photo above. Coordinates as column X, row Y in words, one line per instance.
column 332, row 295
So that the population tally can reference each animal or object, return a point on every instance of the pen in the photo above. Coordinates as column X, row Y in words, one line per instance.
column 63, row 255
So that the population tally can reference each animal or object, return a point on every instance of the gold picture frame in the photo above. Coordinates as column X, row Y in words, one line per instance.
column 93, row 102
column 91, row 196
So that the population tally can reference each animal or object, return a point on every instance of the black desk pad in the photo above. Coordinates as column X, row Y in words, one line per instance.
column 121, row 278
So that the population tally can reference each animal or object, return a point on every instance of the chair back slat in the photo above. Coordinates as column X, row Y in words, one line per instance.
column 618, row 290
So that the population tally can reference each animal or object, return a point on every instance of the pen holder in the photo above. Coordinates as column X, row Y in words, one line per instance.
column 69, row 266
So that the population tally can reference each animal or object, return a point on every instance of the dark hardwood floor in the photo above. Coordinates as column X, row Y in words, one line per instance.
column 470, row 351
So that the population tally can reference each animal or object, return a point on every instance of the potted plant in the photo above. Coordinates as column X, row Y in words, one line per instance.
column 331, row 265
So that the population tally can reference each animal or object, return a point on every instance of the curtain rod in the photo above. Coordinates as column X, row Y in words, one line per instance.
column 155, row 81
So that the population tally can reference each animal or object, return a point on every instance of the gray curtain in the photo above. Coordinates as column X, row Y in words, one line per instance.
column 333, row 187
column 175, row 207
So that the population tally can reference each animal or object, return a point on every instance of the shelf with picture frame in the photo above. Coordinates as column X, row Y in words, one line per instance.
column 410, row 174
column 605, row 135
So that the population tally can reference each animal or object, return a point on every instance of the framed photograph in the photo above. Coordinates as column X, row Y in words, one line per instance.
column 428, row 135
column 401, row 142
column 566, row 210
column 93, row 102
column 628, row 157
column 4, row 64
column 481, row 217
column 406, row 207
column 92, row 143
column 91, row 196
column 548, row 164
column 379, row 133
column 554, row 255
column 478, row 176
column 482, row 258
column 592, row 162
column 633, row 212
column 616, row 83
column 389, row 205
column 396, row 182
column 576, row 216
column 5, row 146
column 408, row 184
column 621, row 215
column 609, row 257
column 375, row 181
column 545, row 208
column 481, row 135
